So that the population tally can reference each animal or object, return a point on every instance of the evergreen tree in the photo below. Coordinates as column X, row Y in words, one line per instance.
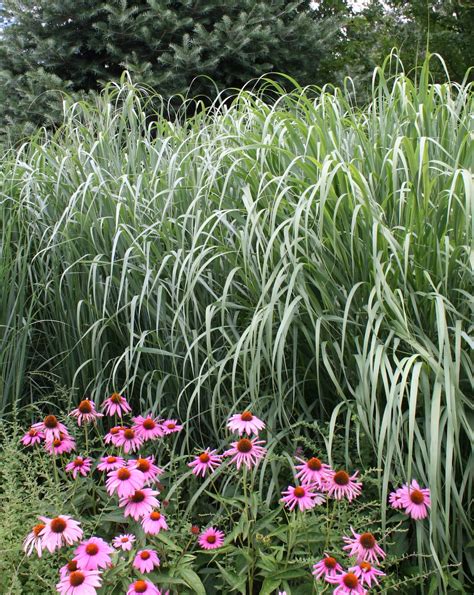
column 77, row 45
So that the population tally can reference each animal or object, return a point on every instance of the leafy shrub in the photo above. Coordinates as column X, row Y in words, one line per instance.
column 27, row 489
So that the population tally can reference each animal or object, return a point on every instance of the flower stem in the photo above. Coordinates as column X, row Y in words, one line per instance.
column 249, row 532
column 55, row 469
column 86, row 436
column 185, row 549
column 327, row 523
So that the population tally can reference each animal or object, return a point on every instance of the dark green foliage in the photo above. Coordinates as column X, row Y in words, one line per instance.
column 447, row 24
column 440, row 26
column 200, row 47
column 76, row 45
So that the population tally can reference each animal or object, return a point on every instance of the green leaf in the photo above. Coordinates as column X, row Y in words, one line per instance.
column 114, row 517
column 192, row 580
column 163, row 537
column 166, row 579
column 434, row 583
column 292, row 573
column 269, row 586
column 237, row 582
column 456, row 584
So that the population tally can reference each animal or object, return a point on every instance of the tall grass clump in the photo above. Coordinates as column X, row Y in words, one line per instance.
column 302, row 255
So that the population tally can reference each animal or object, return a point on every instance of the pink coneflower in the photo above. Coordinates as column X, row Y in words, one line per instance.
column 154, row 522
column 80, row 582
column 110, row 463
column 129, row 440
column 62, row 445
column 79, row 466
column 123, row 542
column 34, row 540
column 328, row 566
column 364, row 546
column 145, row 561
column 59, row 531
column 367, row 573
column 125, row 481
column 92, row 554
column 142, row 586
column 148, row 428
column 395, row 498
column 169, row 426
column 147, row 467
column 347, row 584
column 211, row 539
column 116, row 405
column 140, row 503
column 340, row 485
column 51, row 427
column 86, row 412
column 246, row 452
column 246, row 423
column 206, row 461
column 312, row 471
column 416, row 500
column 113, row 436
column 66, row 570
column 32, row 437
column 301, row 496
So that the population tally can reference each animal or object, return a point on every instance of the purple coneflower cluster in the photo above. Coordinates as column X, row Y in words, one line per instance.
column 316, row 478
column 52, row 434
column 352, row 581
column 133, row 480
column 247, row 451
column 128, row 479
column 412, row 499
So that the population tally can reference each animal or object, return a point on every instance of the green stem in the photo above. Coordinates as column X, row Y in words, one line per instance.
column 250, row 518
column 244, row 481
column 184, row 551
column 98, row 518
column 327, row 524
column 331, row 519
column 86, row 436
column 252, row 482
column 246, row 512
column 55, row 469
column 289, row 543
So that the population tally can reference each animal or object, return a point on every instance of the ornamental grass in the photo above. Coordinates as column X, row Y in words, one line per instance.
column 290, row 252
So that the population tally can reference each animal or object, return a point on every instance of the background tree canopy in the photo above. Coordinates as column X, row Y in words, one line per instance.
column 75, row 46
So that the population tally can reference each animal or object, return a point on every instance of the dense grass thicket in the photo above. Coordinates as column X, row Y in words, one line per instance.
column 301, row 256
